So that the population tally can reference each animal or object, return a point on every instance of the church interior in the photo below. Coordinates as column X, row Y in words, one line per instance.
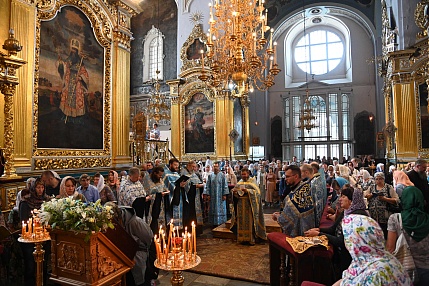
column 83, row 83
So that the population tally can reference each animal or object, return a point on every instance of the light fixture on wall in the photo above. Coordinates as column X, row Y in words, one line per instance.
column 306, row 119
column 158, row 109
column 239, row 57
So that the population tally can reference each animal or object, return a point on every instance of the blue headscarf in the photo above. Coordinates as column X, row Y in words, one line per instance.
column 341, row 181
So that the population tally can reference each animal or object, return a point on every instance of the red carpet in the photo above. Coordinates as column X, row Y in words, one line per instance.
column 225, row 258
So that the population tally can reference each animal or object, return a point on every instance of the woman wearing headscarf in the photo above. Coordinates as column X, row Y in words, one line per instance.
column 352, row 202
column 106, row 194
column 378, row 196
column 114, row 183
column 367, row 180
column 415, row 223
column 30, row 202
column 337, row 185
column 68, row 189
column 380, row 168
column 371, row 263
column 401, row 181
column 344, row 172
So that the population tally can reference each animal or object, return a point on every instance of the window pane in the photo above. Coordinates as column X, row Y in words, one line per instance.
column 333, row 38
column 297, row 152
column 335, row 51
column 310, row 152
column 322, row 45
column 300, row 55
column 335, row 151
column 318, row 52
column 319, row 67
column 322, row 150
column 318, row 37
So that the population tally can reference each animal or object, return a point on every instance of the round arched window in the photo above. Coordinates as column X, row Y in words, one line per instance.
column 319, row 52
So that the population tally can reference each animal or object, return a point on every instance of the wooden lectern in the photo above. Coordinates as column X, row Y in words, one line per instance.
column 95, row 262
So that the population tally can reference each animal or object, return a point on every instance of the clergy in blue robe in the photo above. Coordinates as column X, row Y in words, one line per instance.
column 159, row 214
column 298, row 212
column 215, row 192
column 193, row 211
column 177, row 192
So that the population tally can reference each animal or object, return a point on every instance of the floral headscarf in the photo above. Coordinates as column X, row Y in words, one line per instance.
column 371, row 263
column 358, row 203
column 115, row 179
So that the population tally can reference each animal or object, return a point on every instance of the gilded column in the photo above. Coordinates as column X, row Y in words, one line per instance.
column 176, row 115
column 121, row 62
column 9, row 65
column 23, row 17
column 222, row 119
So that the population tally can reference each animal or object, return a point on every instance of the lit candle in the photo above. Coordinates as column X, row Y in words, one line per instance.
column 170, row 233
column 24, row 229
column 189, row 245
column 271, row 39
column 194, row 237
column 165, row 253
column 157, row 247
column 174, row 239
column 184, row 248
column 177, row 230
column 202, row 64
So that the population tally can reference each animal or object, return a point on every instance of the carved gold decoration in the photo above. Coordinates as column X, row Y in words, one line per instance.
column 71, row 163
column 197, row 33
column 108, row 25
column 11, row 194
column 8, row 81
column 422, row 20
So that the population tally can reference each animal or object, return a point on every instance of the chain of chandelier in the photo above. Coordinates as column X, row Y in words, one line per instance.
column 239, row 58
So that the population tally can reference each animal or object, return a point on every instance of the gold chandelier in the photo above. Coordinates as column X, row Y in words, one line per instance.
column 158, row 109
column 239, row 56
column 306, row 119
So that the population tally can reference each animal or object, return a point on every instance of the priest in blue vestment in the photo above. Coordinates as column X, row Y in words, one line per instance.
column 215, row 192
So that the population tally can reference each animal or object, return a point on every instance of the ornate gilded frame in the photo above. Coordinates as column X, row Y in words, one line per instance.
column 420, row 77
column 101, row 16
column 185, row 97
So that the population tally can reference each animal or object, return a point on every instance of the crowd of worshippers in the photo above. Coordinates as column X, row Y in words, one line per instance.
column 209, row 193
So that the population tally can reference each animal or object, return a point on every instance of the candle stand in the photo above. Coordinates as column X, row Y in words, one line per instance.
column 177, row 279
column 38, row 255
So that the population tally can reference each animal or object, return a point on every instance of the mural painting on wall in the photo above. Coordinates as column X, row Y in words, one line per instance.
column 424, row 114
column 199, row 125
column 71, row 72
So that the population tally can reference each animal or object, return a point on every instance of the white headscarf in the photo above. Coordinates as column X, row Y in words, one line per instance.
column 100, row 185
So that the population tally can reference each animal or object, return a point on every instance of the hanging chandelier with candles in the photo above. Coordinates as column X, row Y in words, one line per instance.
column 306, row 119
column 239, row 57
column 158, row 108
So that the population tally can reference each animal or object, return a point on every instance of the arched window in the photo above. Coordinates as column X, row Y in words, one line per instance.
column 319, row 52
column 153, row 55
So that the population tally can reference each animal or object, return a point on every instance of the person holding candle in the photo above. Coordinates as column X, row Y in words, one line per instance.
column 31, row 201
column 248, row 215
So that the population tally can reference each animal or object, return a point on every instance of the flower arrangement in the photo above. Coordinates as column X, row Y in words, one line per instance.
column 74, row 215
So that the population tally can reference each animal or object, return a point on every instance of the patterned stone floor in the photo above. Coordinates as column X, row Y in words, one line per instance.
column 194, row 279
